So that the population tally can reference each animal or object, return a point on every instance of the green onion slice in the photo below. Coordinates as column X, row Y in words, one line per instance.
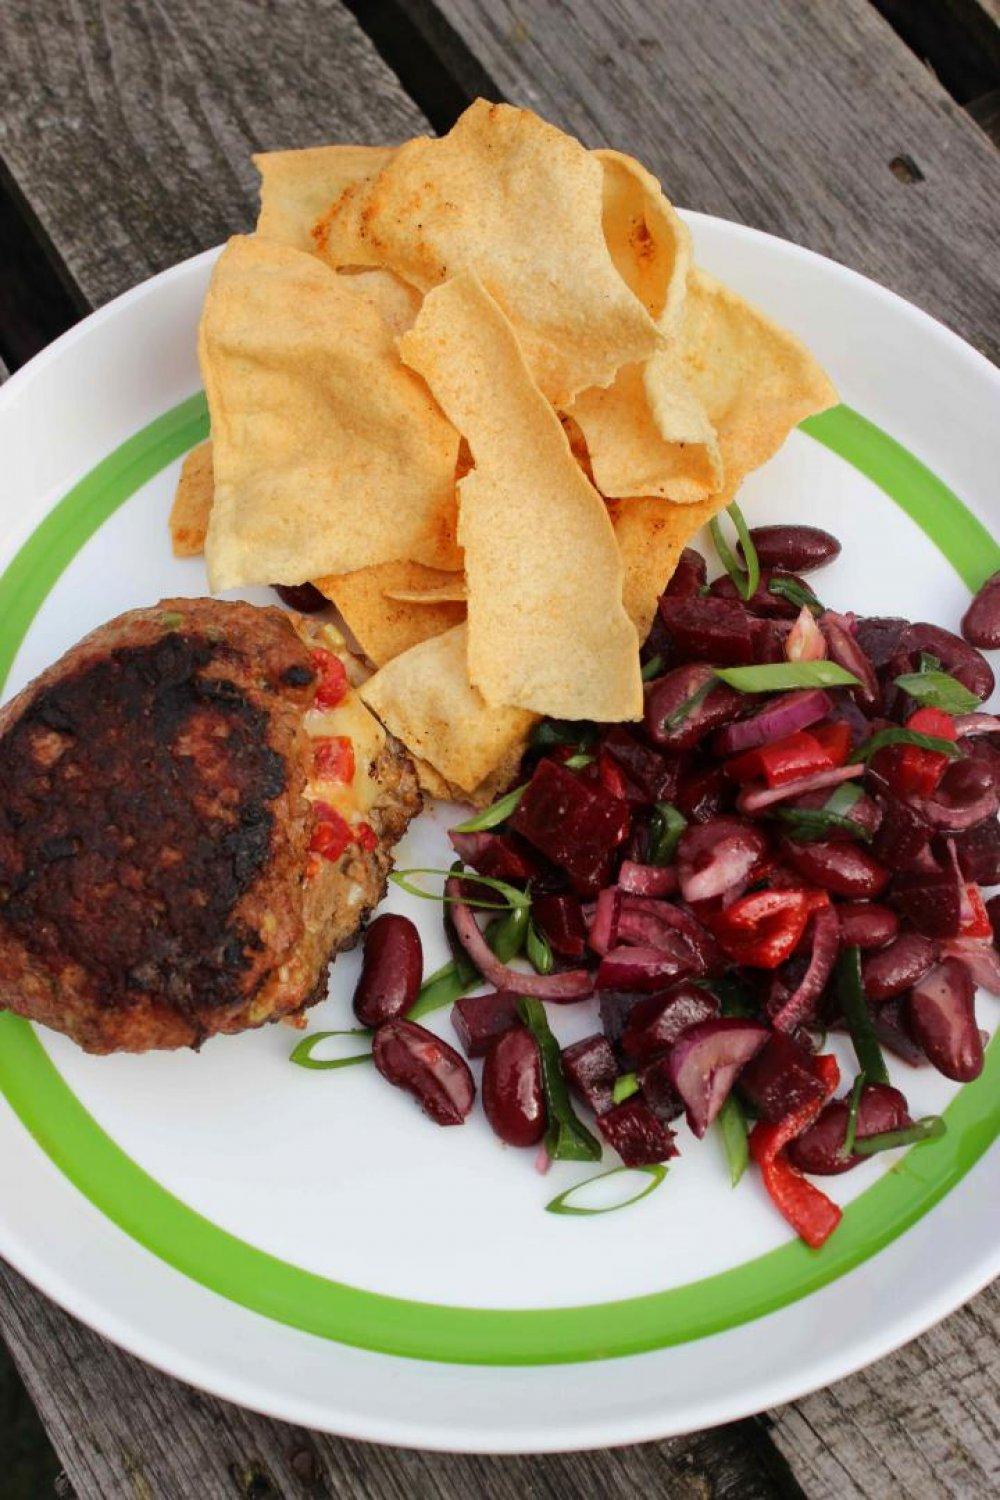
column 843, row 798
column 806, row 824
column 928, row 663
column 934, row 689
column 854, row 1004
column 666, row 826
column 653, row 668
column 538, row 950
column 732, row 1124
column 552, row 732
column 684, row 710
column 747, row 580
column 497, row 812
column 930, row 1128
column 301, row 1053
column 507, row 935
column 563, row 1204
column 851, row 1133
column 734, row 996
column 513, row 898
column 777, row 677
column 897, row 735
column 443, row 987
column 577, row 762
column 796, row 593
column 567, row 1138
column 624, row 1088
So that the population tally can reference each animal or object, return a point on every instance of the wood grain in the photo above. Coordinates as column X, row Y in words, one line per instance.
column 782, row 115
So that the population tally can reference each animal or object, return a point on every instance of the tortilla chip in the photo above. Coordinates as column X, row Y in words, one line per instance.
column 382, row 625
column 488, row 790
column 649, row 243
column 425, row 699
column 446, row 593
column 192, row 502
column 297, row 186
column 395, row 302
column 519, row 204
column 547, row 630
column 651, row 535
column 329, row 454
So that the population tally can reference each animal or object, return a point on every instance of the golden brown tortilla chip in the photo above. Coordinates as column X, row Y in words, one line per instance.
column 329, row 454
column 547, row 630
column 192, row 502
column 297, row 186
column 651, row 535
column 455, row 591
column 518, row 203
column 382, row 625
column 425, row 699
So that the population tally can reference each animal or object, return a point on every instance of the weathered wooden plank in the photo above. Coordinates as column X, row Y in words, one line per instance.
column 123, row 1429
column 128, row 128
column 785, row 116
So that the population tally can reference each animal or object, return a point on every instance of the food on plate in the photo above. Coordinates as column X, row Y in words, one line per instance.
column 193, row 502
column 384, row 625
column 196, row 813
column 793, row 841
column 296, row 187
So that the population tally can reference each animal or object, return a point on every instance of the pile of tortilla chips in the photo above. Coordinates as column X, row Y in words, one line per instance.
column 477, row 391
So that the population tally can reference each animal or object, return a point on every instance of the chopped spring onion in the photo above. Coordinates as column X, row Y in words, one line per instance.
column 563, row 1204
column 172, row 619
column 302, row 1053
column 443, row 987
column 734, row 996
column 851, row 1133
column 928, row 663
column 854, row 1004
column 552, row 732
column 843, row 798
column 653, row 668
column 577, row 762
column 930, row 1128
column 538, row 951
column 665, row 829
column 897, row 735
column 507, row 935
column 625, row 1087
column 497, row 812
column 796, row 593
column 806, row 824
column 747, row 580
column 732, row 1123
column 567, row 1138
column 684, row 710
column 513, row 898
column 938, row 690
column 778, row 677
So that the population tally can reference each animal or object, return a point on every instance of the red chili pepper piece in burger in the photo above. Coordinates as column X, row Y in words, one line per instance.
column 332, row 675
column 333, row 758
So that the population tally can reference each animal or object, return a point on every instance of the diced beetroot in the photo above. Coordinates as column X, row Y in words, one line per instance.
column 649, row 776
column 602, row 934
column 646, row 880
column 708, row 629
column 614, row 1008
column 496, row 855
column 479, row 1019
column 591, row 1070
column 657, row 1090
column 931, row 902
column 762, row 601
column 577, row 826
column 644, row 969
column 770, row 640
column 688, row 576
column 704, row 793
column 902, row 834
column 780, row 1079
column 880, row 637
column 657, row 1021
column 819, row 1149
column 978, row 852
column 560, row 920
column 636, row 1134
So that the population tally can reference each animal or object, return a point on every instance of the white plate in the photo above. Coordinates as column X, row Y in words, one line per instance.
column 285, row 1238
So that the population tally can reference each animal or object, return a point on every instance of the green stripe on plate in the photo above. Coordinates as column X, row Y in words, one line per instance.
column 154, row 1217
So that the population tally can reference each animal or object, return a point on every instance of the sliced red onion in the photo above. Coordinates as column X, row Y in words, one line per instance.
column 647, row 880
column 753, row 801
column 709, row 955
column 845, row 651
column 969, row 724
column 714, row 857
column 801, row 1004
column 946, row 819
column 704, row 1062
column 642, row 929
column 572, row 984
column 602, row 931
column 643, row 969
column 981, row 959
column 784, row 715
column 805, row 640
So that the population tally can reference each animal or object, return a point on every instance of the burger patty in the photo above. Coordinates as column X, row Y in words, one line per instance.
column 158, row 803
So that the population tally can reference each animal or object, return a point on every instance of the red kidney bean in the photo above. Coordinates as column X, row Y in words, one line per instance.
column 793, row 549
column 941, row 1015
column 892, row 970
column 304, row 597
column 841, row 866
column 512, row 1088
column 981, row 621
column 865, row 924
column 955, row 655
column 879, row 637
column 667, row 695
column 762, row 601
column 890, row 1028
column 819, row 1149
column 391, row 970
column 688, row 576
column 845, row 651
column 414, row 1059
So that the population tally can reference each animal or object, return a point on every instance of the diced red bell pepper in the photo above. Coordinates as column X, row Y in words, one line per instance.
column 977, row 925
column 332, row 833
column 910, row 768
column 763, row 929
column 810, row 1212
column 789, row 759
column 835, row 739
column 366, row 837
column 333, row 758
column 333, row 682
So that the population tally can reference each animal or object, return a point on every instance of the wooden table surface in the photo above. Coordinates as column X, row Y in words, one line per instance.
column 126, row 128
